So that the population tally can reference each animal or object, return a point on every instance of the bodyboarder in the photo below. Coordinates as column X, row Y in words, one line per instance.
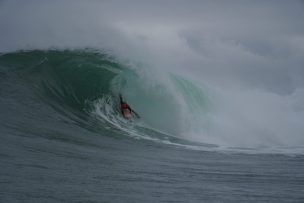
column 126, row 110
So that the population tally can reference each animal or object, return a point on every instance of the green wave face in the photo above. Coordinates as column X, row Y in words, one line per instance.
column 87, row 83
column 69, row 77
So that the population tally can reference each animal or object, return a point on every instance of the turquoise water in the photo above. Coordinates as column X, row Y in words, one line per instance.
column 64, row 140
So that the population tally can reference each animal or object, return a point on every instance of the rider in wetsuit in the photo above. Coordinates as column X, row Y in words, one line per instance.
column 126, row 110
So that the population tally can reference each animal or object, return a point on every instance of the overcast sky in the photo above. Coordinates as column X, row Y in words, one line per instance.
column 259, row 42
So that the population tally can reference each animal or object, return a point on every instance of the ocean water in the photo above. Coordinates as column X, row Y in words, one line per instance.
column 64, row 140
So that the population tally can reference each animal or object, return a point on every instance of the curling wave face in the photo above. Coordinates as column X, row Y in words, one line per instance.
column 85, row 85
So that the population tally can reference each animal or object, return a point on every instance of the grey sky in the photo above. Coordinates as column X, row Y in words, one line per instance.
column 260, row 43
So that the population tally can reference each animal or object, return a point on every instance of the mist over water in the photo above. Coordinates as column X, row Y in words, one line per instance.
column 229, row 74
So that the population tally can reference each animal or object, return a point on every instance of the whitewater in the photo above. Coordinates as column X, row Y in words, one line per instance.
column 221, row 109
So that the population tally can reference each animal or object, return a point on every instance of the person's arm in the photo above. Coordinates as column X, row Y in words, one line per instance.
column 121, row 102
column 136, row 114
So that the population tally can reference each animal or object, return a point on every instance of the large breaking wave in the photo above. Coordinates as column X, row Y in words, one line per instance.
column 87, row 83
column 84, row 85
